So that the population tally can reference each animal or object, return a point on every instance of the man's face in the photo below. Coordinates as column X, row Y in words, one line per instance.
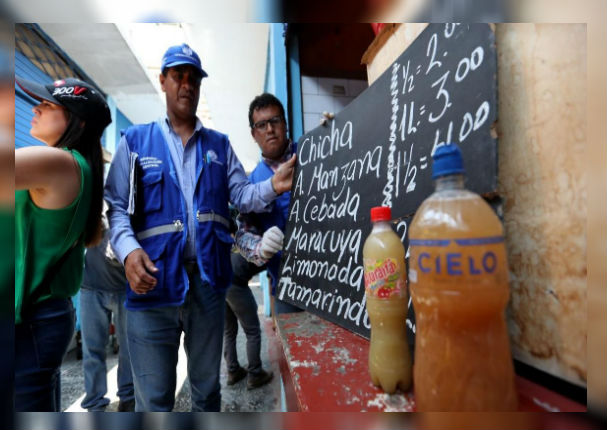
column 270, row 131
column 182, row 87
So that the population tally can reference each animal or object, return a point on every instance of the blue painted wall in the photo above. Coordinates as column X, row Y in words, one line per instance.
column 112, row 132
column 276, row 65
column 283, row 77
column 266, row 11
column 296, row 106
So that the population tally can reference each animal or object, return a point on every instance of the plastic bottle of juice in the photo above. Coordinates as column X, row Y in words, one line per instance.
column 458, row 278
column 386, row 296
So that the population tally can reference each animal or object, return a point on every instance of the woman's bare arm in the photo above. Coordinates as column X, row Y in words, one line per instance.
column 51, row 175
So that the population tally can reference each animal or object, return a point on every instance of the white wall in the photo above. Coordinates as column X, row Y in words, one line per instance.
column 326, row 95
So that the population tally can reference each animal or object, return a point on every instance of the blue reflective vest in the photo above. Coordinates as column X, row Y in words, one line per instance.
column 159, row 222
column 276, row 217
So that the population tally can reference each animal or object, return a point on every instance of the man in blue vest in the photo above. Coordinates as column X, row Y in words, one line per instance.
column 259, row 238
column 168, row 190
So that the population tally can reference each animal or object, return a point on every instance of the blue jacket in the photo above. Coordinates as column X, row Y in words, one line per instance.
column 277, row 217
column 160, row 216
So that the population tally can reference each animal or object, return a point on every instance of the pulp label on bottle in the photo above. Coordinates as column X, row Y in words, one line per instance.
column 383, row 278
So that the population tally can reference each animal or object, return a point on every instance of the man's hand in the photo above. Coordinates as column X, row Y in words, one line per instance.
column 283, row 177
column 271, row 242
column 138, row 267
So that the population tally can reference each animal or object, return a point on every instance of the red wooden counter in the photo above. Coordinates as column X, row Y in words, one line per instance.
column 324, row 369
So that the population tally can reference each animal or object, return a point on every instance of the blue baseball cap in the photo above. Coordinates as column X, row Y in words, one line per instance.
column 181, row 54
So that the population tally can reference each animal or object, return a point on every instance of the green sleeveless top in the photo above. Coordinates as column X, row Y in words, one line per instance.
column 42, row 237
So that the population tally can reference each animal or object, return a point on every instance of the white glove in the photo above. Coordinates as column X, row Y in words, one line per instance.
column 271, row 242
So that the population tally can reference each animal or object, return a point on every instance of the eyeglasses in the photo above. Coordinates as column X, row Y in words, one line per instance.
column 274, row 121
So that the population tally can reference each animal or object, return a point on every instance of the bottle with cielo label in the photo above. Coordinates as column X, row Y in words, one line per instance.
column 386, row 297
column 458, row 278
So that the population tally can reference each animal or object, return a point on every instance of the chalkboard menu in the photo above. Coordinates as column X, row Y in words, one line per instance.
column 377, row 151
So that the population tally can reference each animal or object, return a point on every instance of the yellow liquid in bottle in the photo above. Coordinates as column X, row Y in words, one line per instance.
column 386, row 297
column 459, row 285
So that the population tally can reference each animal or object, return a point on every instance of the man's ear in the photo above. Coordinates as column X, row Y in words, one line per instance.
column 162, row 78
column 252, row 132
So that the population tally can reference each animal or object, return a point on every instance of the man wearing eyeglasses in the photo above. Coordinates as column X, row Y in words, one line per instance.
column 259, row 240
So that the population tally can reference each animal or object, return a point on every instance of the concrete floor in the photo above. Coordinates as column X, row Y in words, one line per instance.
column 235, row 398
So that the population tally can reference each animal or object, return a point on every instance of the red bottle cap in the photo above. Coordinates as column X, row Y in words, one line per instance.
column 381, row 213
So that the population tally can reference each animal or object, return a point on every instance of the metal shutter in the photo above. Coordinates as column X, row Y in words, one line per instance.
column 24, row 68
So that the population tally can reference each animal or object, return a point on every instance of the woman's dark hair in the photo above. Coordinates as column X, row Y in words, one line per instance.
column 262, row 101
column 86, row 139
